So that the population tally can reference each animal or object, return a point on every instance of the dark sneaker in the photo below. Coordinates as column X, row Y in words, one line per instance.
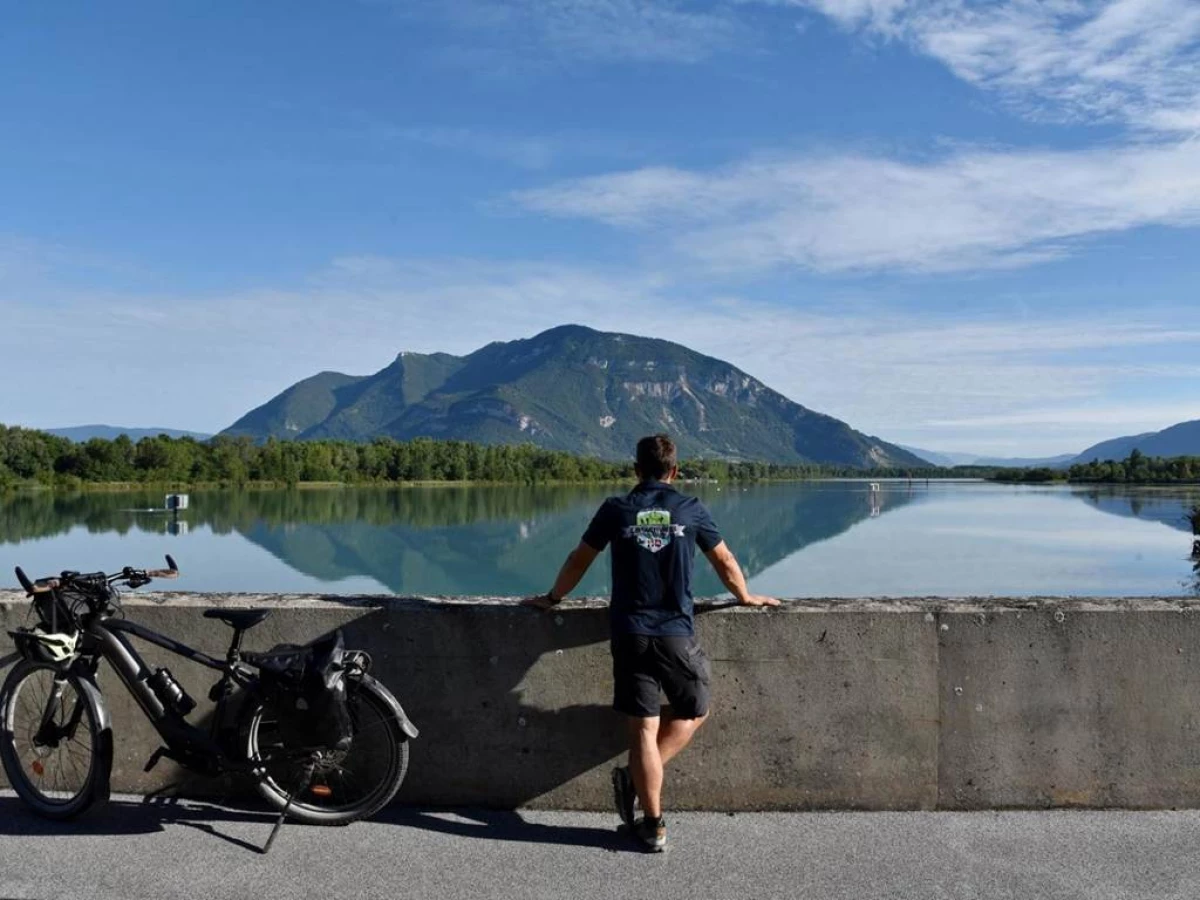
column 653, row 838
column 624, row 796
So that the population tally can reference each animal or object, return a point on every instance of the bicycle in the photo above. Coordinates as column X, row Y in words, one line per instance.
column 327, row 755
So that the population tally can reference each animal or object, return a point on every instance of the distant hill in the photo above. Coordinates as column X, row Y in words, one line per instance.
column 81, row 433
column 974, row 459
column 571, row 389
column 935, row 458
column 1178, row 440
column 1022, row 462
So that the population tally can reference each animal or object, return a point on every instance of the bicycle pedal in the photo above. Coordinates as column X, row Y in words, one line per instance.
column 155, row 758
column 219, row 690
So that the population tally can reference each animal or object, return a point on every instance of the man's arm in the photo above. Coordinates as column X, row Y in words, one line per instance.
column 577, row 563
column 730, row 573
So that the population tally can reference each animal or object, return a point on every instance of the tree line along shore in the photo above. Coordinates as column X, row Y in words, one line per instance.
column 1137, row 468
column 35, row 458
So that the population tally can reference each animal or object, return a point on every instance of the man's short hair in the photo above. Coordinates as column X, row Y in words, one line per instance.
column 655, row 456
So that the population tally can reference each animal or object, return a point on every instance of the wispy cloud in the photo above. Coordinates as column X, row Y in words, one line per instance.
column 971, row 209
column 533, row 151
column 526, row 31
column 1135, row 61
column 1122, row 416
column 526, row 152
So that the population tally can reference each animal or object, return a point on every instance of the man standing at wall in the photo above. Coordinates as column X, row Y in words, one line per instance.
column 654, row 532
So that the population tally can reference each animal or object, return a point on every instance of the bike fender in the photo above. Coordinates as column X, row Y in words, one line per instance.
column 406, row 726
column 88, row 686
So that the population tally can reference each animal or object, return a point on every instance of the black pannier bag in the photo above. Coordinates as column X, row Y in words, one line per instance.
column 306, row 686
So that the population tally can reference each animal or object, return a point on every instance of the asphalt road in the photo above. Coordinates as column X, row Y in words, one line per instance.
column 158, row 850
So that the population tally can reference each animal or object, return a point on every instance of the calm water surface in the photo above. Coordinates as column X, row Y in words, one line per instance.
column 829, row 539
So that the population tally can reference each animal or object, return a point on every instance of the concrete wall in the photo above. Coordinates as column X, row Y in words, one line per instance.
column 921, row 704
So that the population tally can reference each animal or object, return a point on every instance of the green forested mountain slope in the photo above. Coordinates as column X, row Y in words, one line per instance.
column 572, row 389
column 304, row 405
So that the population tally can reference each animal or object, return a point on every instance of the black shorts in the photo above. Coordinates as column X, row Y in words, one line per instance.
column 643, row 666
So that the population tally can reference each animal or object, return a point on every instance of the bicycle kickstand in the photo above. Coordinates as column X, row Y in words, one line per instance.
column 306, row 783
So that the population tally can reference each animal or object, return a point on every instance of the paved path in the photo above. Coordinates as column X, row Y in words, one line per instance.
column 137, row 850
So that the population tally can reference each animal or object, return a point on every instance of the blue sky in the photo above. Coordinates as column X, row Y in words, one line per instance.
column 960, row 225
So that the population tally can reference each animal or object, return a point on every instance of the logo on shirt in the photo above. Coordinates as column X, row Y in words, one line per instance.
column 653, row 530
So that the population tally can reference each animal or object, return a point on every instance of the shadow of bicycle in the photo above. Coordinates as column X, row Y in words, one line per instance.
column 134, row 816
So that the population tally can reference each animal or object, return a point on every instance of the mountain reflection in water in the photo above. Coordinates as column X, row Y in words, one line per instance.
column 443, row 540
column 951, row 539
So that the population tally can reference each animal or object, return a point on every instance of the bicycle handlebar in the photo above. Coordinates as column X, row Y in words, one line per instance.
column 43, row 585
column 172, row 570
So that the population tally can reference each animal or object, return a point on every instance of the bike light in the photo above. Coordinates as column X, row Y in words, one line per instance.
column 38, row 769
column 322, row 790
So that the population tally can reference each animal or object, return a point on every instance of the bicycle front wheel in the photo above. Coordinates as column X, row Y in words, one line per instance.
column 343, row 785
column 55, row 748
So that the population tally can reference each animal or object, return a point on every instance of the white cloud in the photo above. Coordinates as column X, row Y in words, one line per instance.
column 969, row 210
column 199, row 362
column 1135, row 61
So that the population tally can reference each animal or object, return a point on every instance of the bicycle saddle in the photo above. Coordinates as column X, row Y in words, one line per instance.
column 239, row 619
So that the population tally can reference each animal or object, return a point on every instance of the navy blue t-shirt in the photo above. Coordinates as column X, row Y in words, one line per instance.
column 654, row 531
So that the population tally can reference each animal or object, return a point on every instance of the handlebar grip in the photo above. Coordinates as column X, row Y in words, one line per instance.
column 163, row 573
column 41, row 586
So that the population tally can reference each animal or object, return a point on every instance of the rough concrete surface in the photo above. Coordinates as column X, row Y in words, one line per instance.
column 865, row 704
column 1070, row 707
column 135, row 850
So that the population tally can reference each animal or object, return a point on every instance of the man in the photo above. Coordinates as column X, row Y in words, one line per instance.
column 654, row 532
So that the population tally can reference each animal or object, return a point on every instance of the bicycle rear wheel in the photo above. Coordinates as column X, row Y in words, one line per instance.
column 344, row 786
column 54, row 743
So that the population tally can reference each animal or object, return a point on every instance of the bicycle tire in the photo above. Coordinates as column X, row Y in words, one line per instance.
column 52, row 779
column 378, row 740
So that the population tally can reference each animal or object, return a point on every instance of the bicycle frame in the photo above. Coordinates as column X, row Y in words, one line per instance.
column 185, row 743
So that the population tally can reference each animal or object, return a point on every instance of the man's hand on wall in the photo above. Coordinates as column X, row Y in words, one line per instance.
column 541, row 601
column 758, row 600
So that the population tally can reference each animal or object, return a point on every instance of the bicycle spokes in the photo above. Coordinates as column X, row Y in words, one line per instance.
column 57, row 754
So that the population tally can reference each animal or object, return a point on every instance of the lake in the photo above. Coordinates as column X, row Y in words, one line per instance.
column 812, row 539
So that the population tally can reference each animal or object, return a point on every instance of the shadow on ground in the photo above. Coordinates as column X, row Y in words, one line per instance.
column 507, row 826
column 134, row 817
column 151, row 815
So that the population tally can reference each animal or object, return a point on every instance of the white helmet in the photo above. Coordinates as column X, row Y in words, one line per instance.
column 59, row 647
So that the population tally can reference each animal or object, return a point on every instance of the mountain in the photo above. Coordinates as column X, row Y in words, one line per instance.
column 974, row 459
column 1022, row 462
column 1178, row 440
column 571, row 389
column 81, row 433
column 937, row 458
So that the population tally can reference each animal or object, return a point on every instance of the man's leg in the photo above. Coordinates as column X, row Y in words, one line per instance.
column 668, row 735
column 646, row 763
column 675, row 734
